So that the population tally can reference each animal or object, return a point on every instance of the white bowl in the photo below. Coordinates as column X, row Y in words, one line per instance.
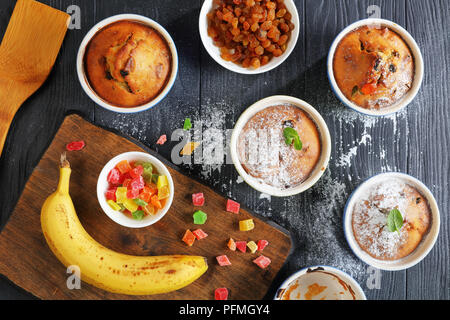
column 324, row 137
column 339, row 285
column 85, row 82
column 427, row 242
column 119, row 217
column 214, row 51
column 418, row 62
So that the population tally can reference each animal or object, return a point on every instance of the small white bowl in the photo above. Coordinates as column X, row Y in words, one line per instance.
column 339, row 285
column 214, row 51
column 85, row 82
column 324, row 137
column 119, row 217
column 418, row 64
column 427, row 242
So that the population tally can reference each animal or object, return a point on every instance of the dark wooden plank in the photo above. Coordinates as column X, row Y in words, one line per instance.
column 429, row 132
column 25, row 257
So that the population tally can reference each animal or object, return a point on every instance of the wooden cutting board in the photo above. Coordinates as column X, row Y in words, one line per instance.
column 27, row 261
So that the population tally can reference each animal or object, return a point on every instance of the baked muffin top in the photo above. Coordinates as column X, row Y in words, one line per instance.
column 128, row 63
column 373, row 67
column 370, row 215
column 264, row 154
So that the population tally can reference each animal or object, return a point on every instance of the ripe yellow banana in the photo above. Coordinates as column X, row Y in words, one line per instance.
column 102, row 267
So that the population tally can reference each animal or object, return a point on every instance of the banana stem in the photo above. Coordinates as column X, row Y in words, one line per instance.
column 64, row 175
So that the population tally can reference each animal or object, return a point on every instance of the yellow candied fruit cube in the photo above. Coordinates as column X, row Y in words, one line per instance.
column 163, row 193
column 252, row 246
column 189, row 148
column 113, row 205
column 130, row 205
column 121, row 194
column 162, row 181
column 246, row 225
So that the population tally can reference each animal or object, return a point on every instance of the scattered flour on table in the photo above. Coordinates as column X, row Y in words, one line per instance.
column 321, row 232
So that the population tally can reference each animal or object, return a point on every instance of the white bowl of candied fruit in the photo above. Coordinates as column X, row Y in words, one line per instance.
column 249, row 36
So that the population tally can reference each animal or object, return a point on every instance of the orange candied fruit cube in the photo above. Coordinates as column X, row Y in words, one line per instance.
column 188, row 238
column 124, row 166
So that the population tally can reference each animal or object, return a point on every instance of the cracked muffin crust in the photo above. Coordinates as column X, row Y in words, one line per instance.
column 373, row 67
column 128, row 63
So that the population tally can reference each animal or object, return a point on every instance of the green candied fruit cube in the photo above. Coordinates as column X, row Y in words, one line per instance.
column 200, row 217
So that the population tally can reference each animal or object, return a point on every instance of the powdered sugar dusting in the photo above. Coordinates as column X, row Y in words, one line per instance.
column 370, row 214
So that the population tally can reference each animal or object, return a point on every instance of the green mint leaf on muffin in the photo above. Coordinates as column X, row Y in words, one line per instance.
column 395, row 220
column 187, row 124
column 291, row 136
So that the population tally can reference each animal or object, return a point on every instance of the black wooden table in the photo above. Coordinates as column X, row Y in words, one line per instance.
column 414, row 141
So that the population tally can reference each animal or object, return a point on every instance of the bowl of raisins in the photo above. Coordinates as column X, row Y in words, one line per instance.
column 249, row 36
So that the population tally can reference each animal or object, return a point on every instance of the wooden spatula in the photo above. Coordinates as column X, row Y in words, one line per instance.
column 27, row 54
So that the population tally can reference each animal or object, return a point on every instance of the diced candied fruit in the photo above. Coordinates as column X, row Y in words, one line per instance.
column 149, row 210
column 124, row 166
column 223, row 260
column 114, row 205
column 198, row 199
column 241, row 246
column 246, row 225
column 200, row 234
column 252, row 246
column 162, row 181
column 163, row 192
column 75, row 145
column 155, row 202
column 110, row 194
column 231, row 244
column 233, row 206
column 114, row 177
column 145, row 196
column 200, row 217
column 137, row 183
column 130, row 205
column 162, row 140
column 137, row 171
column 262, row 262
column 189, row 238
column 262, row 244
column 121, row 194
column 190, row 147
column 221, row 294
column 132, row 193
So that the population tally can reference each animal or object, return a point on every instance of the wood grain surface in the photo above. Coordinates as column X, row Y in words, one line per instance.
column 415, row 141
column 27, row 261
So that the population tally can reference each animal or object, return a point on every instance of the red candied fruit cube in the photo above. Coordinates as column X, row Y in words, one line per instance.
column 110, row 194
column 233, row 206
column 199, row 234
column 221, row 294
column 241, row 246
column 132, row 193
column 262, row 262
column 223, row 261
column 198, row 199
column 137, row 183
column 114, row 177
column 262, row 244
column 137, row 172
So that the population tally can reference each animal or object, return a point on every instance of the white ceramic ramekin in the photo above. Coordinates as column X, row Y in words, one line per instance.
column 324, row 137
column 427, row 242
column 85, row 82
column 326, row 276
column 119, row 217
column 418, row 62
column 214, row 51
